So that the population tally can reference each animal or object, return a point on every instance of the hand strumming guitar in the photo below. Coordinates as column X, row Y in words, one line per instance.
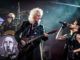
column 23, row 42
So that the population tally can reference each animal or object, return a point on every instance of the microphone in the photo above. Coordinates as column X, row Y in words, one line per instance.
column 64, row 24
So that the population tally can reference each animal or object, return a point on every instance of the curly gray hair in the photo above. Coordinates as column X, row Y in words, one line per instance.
column 33, row 12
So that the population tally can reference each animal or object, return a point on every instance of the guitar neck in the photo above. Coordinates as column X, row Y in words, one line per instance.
column 35, row 39
column 40, row 36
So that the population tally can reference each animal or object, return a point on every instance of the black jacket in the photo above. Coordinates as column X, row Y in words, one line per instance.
column 24, row 30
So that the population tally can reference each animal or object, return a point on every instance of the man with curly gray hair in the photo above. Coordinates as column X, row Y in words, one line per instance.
column 31, row 29
column 35, row 15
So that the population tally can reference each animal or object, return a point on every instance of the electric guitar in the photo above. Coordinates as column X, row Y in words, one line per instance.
column 28, row 41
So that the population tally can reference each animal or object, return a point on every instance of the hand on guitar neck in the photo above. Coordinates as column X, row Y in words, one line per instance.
column 46, row 34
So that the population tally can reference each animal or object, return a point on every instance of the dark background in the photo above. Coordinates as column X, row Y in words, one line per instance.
column 54, row 11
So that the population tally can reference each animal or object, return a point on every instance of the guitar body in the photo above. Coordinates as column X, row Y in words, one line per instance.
column 28, row 46
column 28, row 43
column 21, row 45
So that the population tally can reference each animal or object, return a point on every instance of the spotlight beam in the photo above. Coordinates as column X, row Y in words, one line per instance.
column 78, row 6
